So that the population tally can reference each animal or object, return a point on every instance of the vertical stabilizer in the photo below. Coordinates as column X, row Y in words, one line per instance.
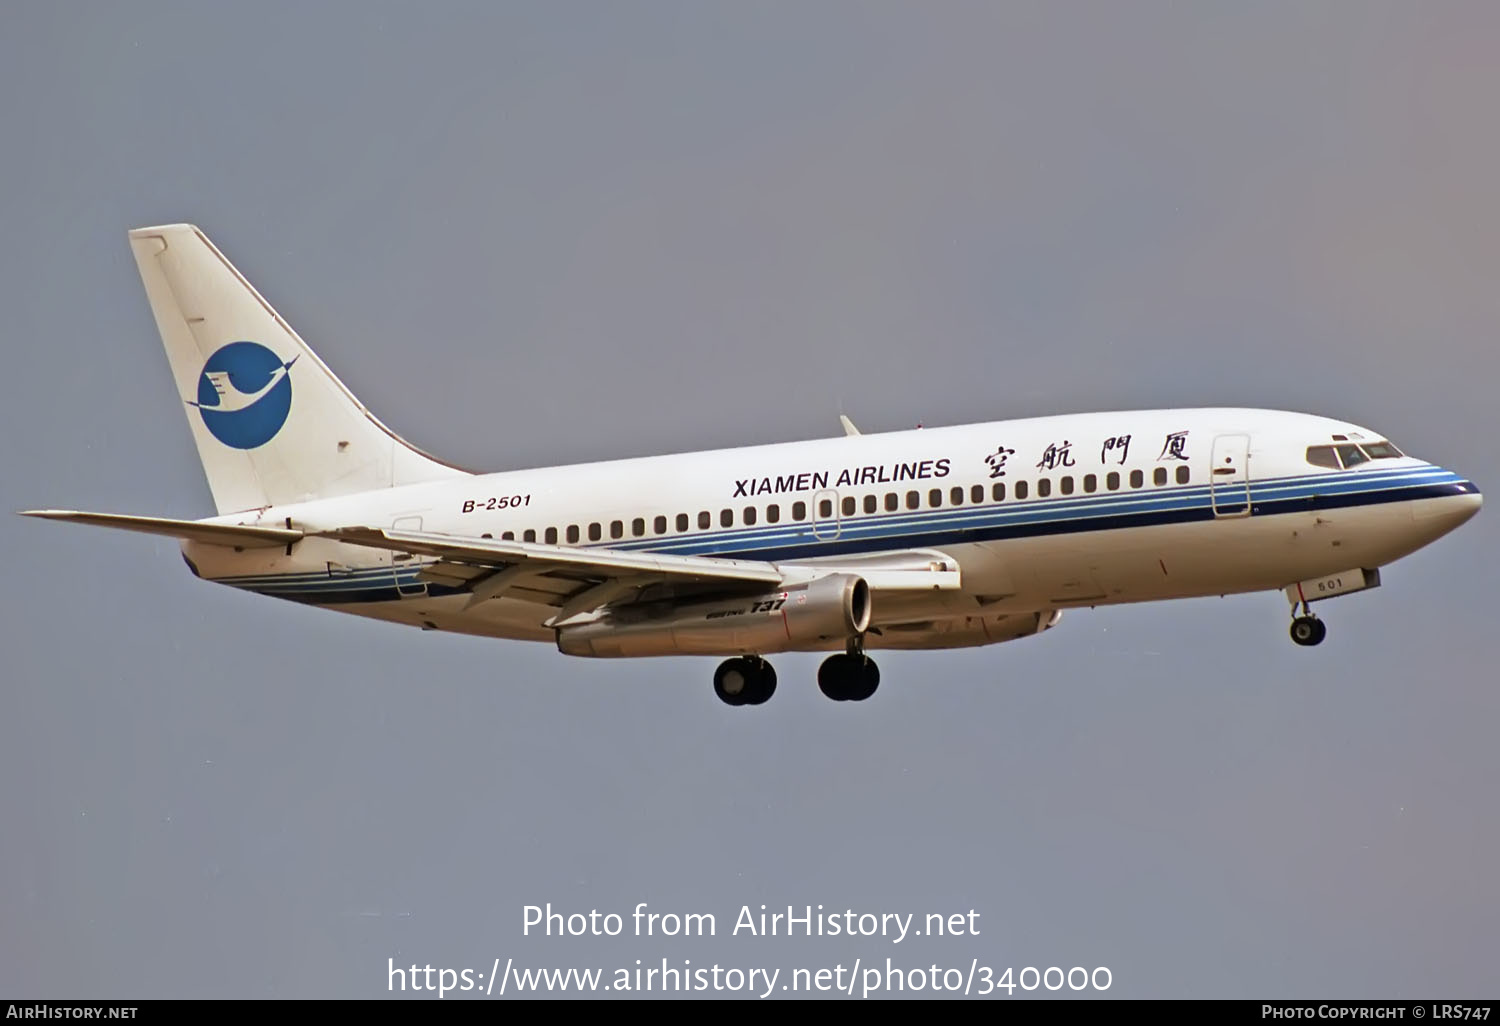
column 272, row 423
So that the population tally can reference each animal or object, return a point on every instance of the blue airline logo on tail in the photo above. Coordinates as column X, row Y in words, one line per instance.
column 245, row 394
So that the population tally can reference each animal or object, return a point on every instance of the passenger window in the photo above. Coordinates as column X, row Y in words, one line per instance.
column 825, row 507
column 956, row 496
column 705, row 520
column 683, row 522
column 1090, row 482
column 1322, row 456
column 1351, row 456
column 1112, row 481
column 617, row 529
column 935, row 498
column 1159, row 476
column 529, row 535
column 848, row 505
column 1021, row 489
column 551, row 536
column 976, row 494
column 638, row 527
column 659, row 525
column 749, row 516
column 1044, row 488
column 508, row 536
column 1382, row 451
column 726, row 518
column 1066, row 485
column 1182, row 475
column 997, row 490
column 1137, row 479
column 871, row 504
column 799, row 511
column 773, row 514
column 913, row 500
column 595, row 532
column 572, row 534
column 892, row 501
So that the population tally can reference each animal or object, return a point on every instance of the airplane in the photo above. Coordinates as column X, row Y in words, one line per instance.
column 931, row 538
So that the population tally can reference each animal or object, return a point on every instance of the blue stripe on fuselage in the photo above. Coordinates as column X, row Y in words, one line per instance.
column 880, row 532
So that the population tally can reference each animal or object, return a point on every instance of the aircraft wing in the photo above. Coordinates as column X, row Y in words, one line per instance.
column 577, row 580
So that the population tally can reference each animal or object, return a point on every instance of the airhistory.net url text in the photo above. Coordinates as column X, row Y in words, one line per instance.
column 857, row 980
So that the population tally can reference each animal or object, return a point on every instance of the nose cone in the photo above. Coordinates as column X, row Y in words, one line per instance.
column 1442, row 513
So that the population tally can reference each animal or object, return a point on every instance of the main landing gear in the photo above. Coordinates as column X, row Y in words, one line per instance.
column 746, row 680
column 749, row 680
column 850, row 677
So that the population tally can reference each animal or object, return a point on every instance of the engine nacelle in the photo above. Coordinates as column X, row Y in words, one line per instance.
column 800, row 617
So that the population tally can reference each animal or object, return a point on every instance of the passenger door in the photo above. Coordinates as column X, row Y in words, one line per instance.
column 1229, row 476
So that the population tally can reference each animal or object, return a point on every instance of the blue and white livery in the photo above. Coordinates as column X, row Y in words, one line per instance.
column 933, row 538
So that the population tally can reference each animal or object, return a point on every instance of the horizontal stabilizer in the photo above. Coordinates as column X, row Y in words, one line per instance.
column 244, row 536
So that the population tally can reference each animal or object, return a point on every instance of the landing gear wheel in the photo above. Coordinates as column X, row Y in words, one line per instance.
column 867, row 679
column 746, row 680
column 848, row 678
column 831, row 677
column 1308, row 630
column 732, row 681
column 763, row 684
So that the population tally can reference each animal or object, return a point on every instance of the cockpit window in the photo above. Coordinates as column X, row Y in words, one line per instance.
column 1348, row 455
column 1322, row 456
column 1351, row 456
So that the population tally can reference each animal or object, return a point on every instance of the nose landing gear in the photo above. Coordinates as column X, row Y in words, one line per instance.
column 1308, row 630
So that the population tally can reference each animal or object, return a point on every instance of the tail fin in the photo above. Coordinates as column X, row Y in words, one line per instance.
column 272, row 423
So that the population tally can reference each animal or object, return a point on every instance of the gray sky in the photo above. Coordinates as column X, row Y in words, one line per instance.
column 529, row 234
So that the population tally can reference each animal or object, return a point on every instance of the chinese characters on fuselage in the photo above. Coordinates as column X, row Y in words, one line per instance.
column 1174, row 448
column 996, row 461
column 1119, row 446
column 1115, row 449
column 1055, row 456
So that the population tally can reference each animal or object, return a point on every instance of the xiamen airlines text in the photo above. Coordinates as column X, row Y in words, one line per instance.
column 858, row 977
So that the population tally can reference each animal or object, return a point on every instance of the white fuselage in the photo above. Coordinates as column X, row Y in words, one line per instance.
column 1039, row 515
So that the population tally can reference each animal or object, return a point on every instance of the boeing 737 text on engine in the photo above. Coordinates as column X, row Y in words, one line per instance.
column 934, row 538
